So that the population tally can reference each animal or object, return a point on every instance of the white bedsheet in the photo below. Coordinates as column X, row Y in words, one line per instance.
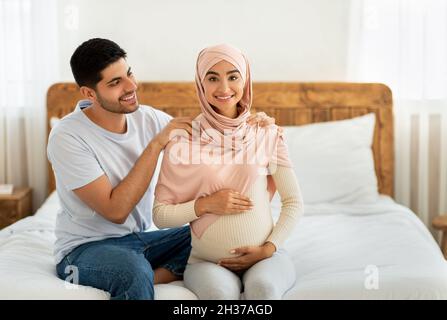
column 335, row 248
column 339, row 249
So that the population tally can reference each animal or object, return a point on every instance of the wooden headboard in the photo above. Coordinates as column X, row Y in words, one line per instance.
column 288, row 103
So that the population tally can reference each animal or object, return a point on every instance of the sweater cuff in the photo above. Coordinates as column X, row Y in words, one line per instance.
column 276, row 242
column 188, row 210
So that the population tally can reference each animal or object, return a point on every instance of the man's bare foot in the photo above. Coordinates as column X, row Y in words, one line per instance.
column 162, row 275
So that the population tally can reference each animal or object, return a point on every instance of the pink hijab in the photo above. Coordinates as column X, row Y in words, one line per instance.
column 223, row 153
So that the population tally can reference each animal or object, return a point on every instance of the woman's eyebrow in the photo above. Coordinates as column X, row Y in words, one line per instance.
column 212, row 72
column 215, row 73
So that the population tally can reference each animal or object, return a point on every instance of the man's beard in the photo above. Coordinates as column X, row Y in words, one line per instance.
column 114, row 107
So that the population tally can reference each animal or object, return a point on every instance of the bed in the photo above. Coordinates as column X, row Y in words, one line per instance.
column 371, row 250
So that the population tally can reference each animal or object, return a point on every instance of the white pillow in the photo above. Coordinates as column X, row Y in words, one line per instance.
column 334, row 161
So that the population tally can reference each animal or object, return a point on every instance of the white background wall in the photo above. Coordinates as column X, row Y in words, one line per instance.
column 285, row 40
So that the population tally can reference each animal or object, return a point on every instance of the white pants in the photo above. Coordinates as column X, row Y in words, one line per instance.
column 268, row 279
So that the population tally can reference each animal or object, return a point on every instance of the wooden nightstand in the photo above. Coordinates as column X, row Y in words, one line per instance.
column 15, row 206
column 440, row 223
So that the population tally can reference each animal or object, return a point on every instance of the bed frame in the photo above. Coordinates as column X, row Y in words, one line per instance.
column 288, row 103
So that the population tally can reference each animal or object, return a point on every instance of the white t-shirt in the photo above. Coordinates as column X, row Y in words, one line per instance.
column 80, row 152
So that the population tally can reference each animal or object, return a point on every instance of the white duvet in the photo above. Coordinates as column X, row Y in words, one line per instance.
column 374, row 251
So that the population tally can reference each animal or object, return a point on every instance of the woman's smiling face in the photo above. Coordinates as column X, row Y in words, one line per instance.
column 224, row 88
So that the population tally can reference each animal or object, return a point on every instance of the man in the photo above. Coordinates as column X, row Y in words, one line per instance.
column 104, row 156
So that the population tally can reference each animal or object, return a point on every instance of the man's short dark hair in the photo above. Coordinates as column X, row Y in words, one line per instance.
column 91, row 57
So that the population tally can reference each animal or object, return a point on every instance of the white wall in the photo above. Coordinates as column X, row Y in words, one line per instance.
column 285, row 40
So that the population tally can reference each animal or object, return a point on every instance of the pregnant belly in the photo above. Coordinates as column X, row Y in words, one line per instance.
column 230, row 232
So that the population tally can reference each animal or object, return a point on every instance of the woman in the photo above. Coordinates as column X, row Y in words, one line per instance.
column 222, row 180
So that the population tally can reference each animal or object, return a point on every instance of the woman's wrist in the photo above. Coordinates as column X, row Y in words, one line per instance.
column 200, row 206
column 269, row 249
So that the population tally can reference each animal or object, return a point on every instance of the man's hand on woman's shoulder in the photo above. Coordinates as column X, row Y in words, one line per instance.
column 175, row 127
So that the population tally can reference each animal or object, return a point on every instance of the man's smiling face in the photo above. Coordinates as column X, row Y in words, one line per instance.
column 116, row 92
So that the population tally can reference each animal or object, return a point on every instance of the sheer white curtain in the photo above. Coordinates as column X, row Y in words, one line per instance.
column 28, row 66
column 403, row 43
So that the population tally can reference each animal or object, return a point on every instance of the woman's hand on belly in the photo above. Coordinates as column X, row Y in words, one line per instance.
column 225, row 201
column 250, row 255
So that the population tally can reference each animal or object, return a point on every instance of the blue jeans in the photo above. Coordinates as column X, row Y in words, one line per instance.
column 124, row 266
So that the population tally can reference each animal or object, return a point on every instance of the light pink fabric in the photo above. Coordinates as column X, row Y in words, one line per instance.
column 211, row 160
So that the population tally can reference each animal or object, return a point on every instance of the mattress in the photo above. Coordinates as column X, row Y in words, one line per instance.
column 362, row 251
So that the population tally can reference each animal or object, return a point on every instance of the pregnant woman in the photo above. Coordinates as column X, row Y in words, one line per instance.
column 221, row 181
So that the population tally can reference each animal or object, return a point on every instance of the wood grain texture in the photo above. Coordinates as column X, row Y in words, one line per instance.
column 15, row 206
column 289, row 103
